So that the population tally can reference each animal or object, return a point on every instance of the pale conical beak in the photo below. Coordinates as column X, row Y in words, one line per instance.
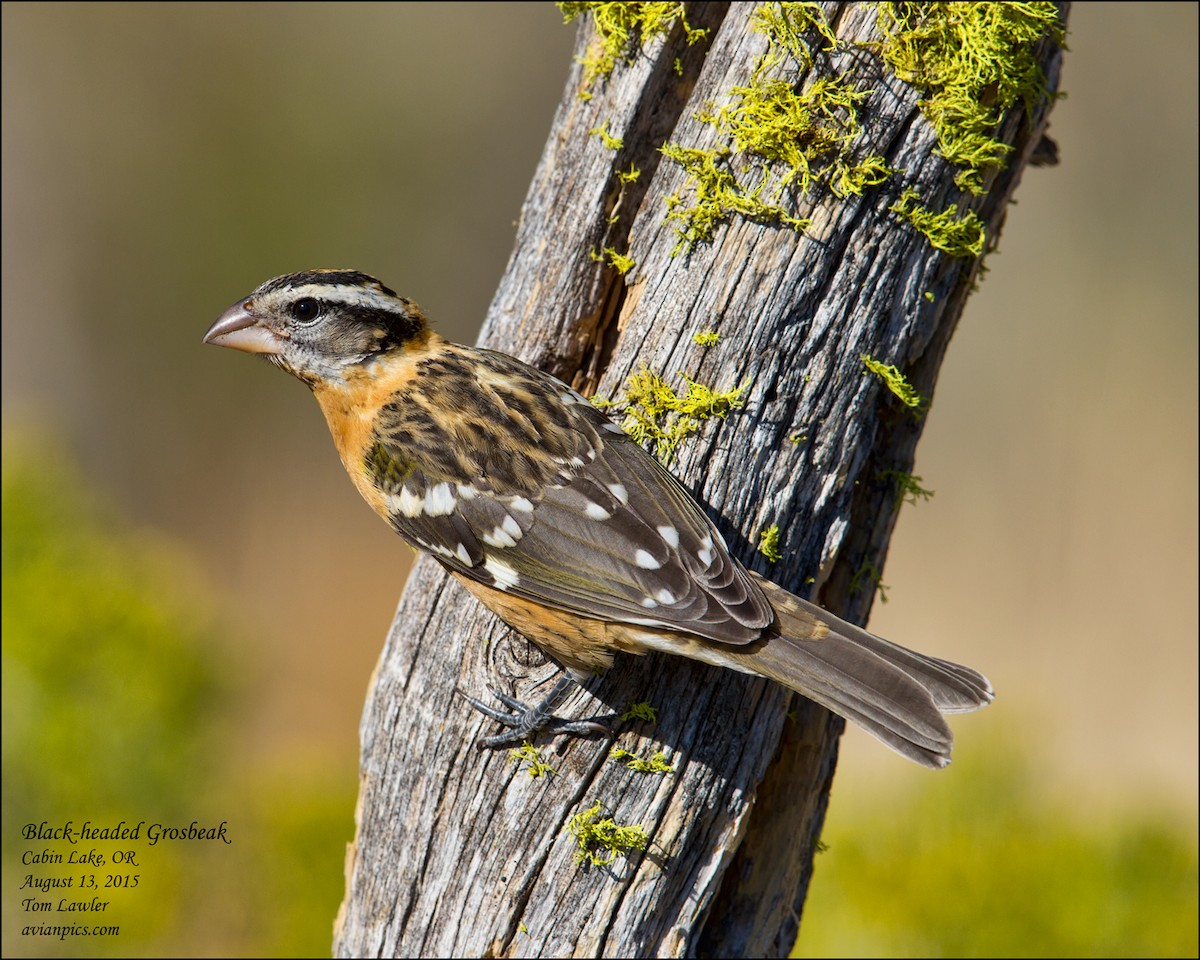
column 238, row 328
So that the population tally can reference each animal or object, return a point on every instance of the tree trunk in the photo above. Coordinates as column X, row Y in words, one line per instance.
column 460, row 852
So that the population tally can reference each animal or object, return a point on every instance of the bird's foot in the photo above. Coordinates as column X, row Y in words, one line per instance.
column 524, row 721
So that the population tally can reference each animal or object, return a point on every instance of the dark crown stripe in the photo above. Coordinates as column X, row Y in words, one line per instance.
column 330, row 278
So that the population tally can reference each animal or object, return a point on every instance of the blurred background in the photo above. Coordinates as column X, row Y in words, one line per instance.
column 194, row 597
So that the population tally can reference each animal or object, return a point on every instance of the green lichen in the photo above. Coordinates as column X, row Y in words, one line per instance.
column 716, row 196
column 786, row 26
column 656, row 764
column 621, row 30
column 866, row 574
column 972, row 61
column 768, row 544
column 630, row 175
column 601, row 841
column 606, row 138
column 895, row 381
column 778, row 140
column 641, row 711
column 908, row 487
column 706, row 338
column 660, row 419
column 959, row 236
column 613, row 258
column 528, row 753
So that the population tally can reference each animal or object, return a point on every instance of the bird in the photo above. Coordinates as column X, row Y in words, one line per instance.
column 555, row 519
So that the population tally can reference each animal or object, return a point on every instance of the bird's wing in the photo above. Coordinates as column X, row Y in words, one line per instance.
column 537, row 493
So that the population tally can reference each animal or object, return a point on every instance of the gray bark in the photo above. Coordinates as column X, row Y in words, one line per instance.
column 458, row 851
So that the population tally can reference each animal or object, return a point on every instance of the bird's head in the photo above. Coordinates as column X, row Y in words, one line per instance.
column 321, row 324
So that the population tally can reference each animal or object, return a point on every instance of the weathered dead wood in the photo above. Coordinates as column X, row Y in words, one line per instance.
column 459, row 852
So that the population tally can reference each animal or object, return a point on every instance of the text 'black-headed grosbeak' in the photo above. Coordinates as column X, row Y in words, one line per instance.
column 558, row 522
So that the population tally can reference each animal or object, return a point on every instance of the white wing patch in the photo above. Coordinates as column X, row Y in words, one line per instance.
column 596, row 512
column 407, row 503
column 645, row 560
column 440, row 500
column 503, row 575
column 670, row 535
column 505, row 535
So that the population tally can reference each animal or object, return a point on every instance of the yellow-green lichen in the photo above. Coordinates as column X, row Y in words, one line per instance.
column 622, row 263
column 621, row 30
column 528, row 753
column 959, row 236
column 656, row 764
column 778, row 141
column 908, row 487
column 768, row 544
column 606, row 138
column 641, row 711
column 972, row 61
column 716, row 196
column 785, row 26
column 630, row 175
column 601, row 841
column 706, row 338
column 866, row 574
column 660, row 419
column 895, row 382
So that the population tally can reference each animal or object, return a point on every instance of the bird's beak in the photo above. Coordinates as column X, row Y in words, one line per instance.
column 238, row 328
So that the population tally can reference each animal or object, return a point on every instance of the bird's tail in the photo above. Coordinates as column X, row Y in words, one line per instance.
column 893, row 693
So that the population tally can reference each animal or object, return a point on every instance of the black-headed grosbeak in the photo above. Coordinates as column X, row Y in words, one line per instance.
column 557, row 521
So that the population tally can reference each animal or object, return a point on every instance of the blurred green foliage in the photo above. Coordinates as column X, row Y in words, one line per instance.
column 111, row 670
column 119, row 703
column 978, row 863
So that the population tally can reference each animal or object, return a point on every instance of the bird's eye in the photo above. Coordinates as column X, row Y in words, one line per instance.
column 306, row 309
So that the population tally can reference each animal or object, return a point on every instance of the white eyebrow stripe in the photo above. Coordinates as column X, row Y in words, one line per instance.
column 345, row 294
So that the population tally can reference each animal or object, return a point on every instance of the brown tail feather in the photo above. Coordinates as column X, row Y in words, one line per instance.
column 894, row 693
